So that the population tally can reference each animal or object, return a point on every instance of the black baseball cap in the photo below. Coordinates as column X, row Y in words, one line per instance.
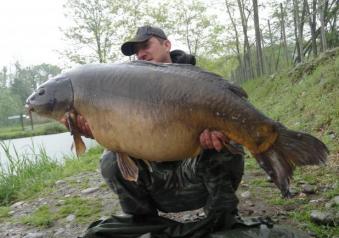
column 142, row 35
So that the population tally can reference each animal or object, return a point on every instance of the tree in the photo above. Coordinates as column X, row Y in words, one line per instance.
column 93, row 33
column 230, row 12
column 247, row 48
column 3, row 77
column 190, row 24
column 42, row 72
column 298, row 32
column 260, row 62
column 9, row 105
column 313, row 24
column 322, row 11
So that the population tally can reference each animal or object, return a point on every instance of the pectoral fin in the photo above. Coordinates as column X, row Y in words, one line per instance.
column 80, row 146
column 233, row 149
column 128, row 168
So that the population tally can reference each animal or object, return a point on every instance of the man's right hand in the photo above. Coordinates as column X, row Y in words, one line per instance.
column 213, row 140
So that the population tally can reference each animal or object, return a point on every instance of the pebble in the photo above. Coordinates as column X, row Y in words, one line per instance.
column 18, row 204
column 269, row 179
column 70, row 218
column 315, row 201
column 322, row 218
column 336, row 200
column 246, row 194
column 60, row 202
column 11, row 213
column 89, row 190
column 293, row 191
column 249, row 203
column 329, row 204
column 60, row 182
column 302, row 195
column 35, row 235
column 308, row 189
column 59, row 232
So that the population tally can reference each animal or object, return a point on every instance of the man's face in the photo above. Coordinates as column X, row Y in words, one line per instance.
column 154, row 50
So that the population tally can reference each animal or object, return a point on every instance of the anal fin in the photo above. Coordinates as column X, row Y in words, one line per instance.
column 128, row 168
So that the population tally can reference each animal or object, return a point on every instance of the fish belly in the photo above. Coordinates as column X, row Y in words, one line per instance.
column 144, row 132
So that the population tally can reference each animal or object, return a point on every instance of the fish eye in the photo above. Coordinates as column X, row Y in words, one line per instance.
column 41, row 91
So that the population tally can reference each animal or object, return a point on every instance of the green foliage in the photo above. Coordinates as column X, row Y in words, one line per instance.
column 42, row 217
column 16, row 86
column 222, row 66
column 303, row 101
column 39, row 129
column 9, row 105
column 4, row 212
column 93, row 27
column 303, row 216
column 306, row 99
column 26, row 176
column 85, row 210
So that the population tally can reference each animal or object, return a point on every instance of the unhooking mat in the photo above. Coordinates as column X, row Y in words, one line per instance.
column 159, row 227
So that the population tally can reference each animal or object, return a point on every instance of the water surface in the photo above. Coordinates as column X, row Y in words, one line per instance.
column 55, row 145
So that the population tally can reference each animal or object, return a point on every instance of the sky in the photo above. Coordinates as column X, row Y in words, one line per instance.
column 30, row 31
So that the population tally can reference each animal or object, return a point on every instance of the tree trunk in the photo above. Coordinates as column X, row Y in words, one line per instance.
column 321, row 8
column 260, row 63
column 237, row 42
column 312, row 23
column 247, row 50
column 296, row 27
column 283, row 32
column 297, row 31
column 270, row 60
column 301, row 30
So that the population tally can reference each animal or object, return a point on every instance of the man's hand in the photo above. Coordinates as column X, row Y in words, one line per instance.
column 81, row 126
column 213, row 140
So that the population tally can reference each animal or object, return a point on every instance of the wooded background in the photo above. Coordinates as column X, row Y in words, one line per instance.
column 239, row 39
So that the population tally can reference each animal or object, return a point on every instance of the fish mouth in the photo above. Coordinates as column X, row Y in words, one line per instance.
column 29, row 107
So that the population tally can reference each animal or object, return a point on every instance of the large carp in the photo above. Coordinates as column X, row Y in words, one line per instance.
column 156, row 112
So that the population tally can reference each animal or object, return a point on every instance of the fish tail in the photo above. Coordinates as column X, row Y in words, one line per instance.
column 291, row 149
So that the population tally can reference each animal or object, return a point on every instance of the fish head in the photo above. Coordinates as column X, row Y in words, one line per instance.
column 52, row 99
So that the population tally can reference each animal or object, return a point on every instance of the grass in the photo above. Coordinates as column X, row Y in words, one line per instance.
column 304, row 99
column 302, row 216
column 85, row 211
column 4, row 212
column 42, row 217
column 39, row 129
column 306, row 102
column 26, row 176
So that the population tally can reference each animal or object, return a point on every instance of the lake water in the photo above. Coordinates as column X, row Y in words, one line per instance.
column 56, row 146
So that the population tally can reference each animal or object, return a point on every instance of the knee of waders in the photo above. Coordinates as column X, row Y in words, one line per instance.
column 109, row 166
